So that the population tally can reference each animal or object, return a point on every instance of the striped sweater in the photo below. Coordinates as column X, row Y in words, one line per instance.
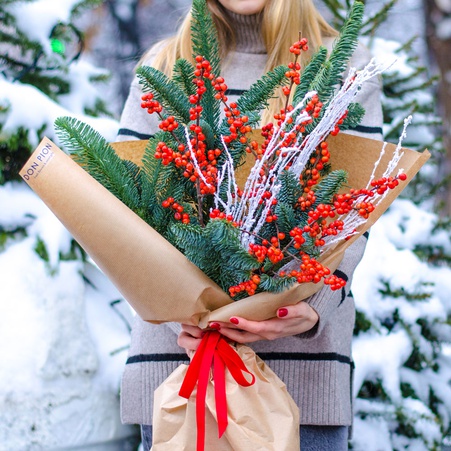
column 316, row 366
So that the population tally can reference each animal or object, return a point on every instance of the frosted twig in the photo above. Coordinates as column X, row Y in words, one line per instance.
column 194, row 159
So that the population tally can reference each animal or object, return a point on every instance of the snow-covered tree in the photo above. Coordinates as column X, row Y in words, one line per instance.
column 402, row 345
column 62, row 342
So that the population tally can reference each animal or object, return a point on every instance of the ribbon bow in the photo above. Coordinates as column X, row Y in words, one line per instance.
column 213, row 350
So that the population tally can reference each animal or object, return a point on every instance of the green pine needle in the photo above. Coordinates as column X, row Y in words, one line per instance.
column 329, row 185
column 94, row 153
column 183, row 74
column 165, row 91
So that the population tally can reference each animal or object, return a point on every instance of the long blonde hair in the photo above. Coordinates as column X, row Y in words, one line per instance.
column 282, row 22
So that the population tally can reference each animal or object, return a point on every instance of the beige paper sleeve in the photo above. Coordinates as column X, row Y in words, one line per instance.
column 154, row 277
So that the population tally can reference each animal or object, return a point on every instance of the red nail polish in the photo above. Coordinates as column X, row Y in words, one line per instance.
column 234, row 320
column 282, row 312
column 215, row 326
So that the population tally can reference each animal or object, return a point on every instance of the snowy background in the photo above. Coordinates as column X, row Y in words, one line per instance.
column 61, row 368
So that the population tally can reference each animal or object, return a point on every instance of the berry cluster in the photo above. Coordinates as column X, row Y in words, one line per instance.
column 178, row 210
column 152, row 106
column 311, row 270
column 249, row 286
column 385, row 183
column 318, row 219
column 237, row 124
column 268, row 249
column 297, row 47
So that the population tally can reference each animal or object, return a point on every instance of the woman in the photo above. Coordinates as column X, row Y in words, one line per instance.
column 308, row 344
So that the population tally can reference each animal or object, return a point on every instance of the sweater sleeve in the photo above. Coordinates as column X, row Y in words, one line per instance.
column 325, row 301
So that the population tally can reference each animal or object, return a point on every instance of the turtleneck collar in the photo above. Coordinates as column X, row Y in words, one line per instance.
column 247, row 32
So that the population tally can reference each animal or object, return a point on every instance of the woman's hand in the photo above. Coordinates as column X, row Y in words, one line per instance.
column 190, row 338
column 291, row 320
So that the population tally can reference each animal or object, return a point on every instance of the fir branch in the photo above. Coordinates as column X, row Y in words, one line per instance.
column 94, row 153
column 183, row 74
column 205, row 43
column 204, row 35
column 290, row 189
column 275, row 284
column 372, row 23
column 354, row 117
column 329, row 185
column 256, row 98
column 343, row 50
column 165, row 91
column 287, row 218
column 309, row 74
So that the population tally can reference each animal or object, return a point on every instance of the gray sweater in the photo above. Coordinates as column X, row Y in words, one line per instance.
column 316, row 366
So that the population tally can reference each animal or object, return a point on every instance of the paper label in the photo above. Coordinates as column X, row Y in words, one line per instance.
column 42, row 155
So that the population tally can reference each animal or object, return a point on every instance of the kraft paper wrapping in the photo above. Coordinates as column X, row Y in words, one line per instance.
column 153, row 276
column 260, row 417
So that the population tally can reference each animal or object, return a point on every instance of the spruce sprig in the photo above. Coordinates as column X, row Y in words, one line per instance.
column 165, row 91
column 183, row 74
column 258, row 95
column 309, row 74
column 205, row 42
column 329, row 186
column 343, row 49
column 94, row 153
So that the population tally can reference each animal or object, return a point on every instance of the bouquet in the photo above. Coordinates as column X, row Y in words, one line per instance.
column 292, row 210
column 258, row 213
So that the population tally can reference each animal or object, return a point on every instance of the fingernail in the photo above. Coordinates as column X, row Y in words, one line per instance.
column 234, row 320
column 282, row 312
column 215, row 326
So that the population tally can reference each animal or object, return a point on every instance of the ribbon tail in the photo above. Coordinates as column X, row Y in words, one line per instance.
column 202, row 385
column 220, row 394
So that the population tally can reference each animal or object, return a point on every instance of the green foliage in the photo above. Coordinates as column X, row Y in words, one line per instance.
column 324, row 74
column 354, row 117
column 94, row 153
column 183, row 74
column 205, row 43
column 309, row 74
column 362, row 323
column 329, row 186
column 258, row 95
column 41, row 249
column 389, row 291
column 166, row 91
column 343, row 49
column 14, row 152
column 217, row 251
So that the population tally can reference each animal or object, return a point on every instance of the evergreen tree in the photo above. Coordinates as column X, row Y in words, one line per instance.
column 45, row 281
column 41, row 61
column 406, row 313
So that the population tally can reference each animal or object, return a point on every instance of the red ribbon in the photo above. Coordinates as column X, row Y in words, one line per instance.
column 213, row 351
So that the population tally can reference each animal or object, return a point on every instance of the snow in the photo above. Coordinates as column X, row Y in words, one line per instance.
column 83, row 93
column 61, row 365
column 381, row 356
column 66, row 336
column 37, row 18
column 371, row 434
column 39, row 110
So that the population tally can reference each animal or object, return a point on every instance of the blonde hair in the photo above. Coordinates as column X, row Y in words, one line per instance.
column 282, row 22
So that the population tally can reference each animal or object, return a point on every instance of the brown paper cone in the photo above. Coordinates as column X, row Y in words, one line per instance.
column 159, row 282
column 153, row 276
